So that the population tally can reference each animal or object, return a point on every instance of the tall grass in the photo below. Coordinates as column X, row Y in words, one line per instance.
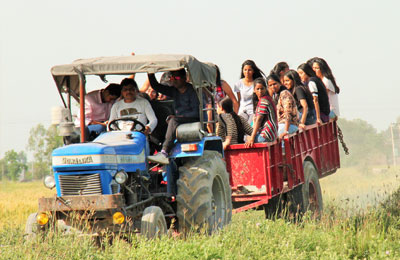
column 364, row 234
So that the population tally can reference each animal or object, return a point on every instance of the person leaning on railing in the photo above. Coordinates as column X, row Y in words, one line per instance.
column 231, row 127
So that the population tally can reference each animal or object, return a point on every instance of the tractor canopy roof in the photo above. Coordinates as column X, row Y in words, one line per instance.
column 200, row 74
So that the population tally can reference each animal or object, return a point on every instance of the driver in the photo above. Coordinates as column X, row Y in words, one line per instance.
column 133, row 105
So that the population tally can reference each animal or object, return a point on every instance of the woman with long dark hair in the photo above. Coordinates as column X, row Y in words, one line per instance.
column 231, row 127
column 244, row 88
column 318, row 91
column 265, row 123
column 286, row 108
column 323, row 71
column 303, row 98
column 280, row 69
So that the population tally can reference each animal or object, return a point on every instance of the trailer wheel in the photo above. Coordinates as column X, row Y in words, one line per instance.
column 153, row 223
column 204, row 194
column 31, row 227
column 311, row 190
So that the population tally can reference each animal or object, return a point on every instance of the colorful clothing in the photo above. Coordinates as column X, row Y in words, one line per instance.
column 269, row 126
column 227, row 127
column 287, row 109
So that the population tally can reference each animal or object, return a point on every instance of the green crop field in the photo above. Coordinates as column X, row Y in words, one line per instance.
column 360, row 221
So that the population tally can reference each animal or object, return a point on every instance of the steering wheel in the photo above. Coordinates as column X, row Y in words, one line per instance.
column 113, row 124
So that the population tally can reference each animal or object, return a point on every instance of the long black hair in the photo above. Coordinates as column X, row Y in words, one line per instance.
column 294, row 76
column 307, row 70
column 227, row 105
column 279, row 67
column 257, row 72
column 325, row 71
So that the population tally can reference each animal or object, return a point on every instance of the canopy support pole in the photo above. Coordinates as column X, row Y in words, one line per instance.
column 82, row 103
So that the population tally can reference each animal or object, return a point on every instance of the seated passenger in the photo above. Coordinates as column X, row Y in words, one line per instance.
column 134, row 106
column 318, row 90
column 288, row 118
column 265, row 125
column 98, row 105
column 231, row 127
column 303, row 98
column 186, row 109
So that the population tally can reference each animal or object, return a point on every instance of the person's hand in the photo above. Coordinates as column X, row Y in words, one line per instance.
column 147, row 130
column 249, row 143
column 283, row 135
column 302, row 126
column 169, row 118
column 319, row 121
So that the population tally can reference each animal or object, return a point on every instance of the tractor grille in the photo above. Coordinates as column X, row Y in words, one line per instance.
column 80, row 184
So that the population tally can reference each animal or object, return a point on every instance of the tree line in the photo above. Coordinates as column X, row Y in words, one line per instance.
column 367, row 147
column 41, row 143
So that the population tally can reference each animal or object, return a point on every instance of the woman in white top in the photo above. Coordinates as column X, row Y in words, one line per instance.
column 323, row 71
column 244, row 89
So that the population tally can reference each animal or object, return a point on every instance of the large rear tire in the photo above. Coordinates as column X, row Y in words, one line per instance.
column 153, row 223
column 204, row 194
column 311, row 190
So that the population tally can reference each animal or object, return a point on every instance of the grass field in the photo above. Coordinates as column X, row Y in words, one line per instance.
column 354, row 226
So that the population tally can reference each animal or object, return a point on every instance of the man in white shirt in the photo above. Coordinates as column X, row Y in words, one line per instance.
column 134, row 106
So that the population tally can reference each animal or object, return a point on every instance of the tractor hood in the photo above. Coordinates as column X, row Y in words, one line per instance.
column 111, row 150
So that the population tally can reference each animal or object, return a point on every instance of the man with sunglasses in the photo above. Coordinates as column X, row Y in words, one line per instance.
column 186, row 109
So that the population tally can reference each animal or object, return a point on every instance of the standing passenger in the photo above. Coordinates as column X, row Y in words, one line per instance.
column 274, row 81
column 222, row 89
column 323, row 71
column 244, row 88
column 318, row 90
column 280, row 69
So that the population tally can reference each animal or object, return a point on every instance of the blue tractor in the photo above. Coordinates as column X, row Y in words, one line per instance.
column 108, row 184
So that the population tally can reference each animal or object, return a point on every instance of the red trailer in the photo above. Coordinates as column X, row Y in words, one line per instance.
column 259, row 176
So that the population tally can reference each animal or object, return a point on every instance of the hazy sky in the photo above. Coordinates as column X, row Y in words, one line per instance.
column 359, row 39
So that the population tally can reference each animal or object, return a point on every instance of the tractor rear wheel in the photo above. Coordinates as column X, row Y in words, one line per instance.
column 153, row 223
column 204, row 193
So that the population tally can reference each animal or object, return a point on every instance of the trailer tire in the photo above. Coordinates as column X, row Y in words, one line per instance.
column 273, row 209
column 311, row 190
column 153, row 224
column 31, row 227
column 204, row 194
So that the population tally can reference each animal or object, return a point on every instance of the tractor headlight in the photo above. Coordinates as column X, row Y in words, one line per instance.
column 49, row 181
column 42, row 219
column 121, row 177
column 118, row 218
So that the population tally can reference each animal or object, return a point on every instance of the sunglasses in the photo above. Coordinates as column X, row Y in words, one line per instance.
column 175, row 77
